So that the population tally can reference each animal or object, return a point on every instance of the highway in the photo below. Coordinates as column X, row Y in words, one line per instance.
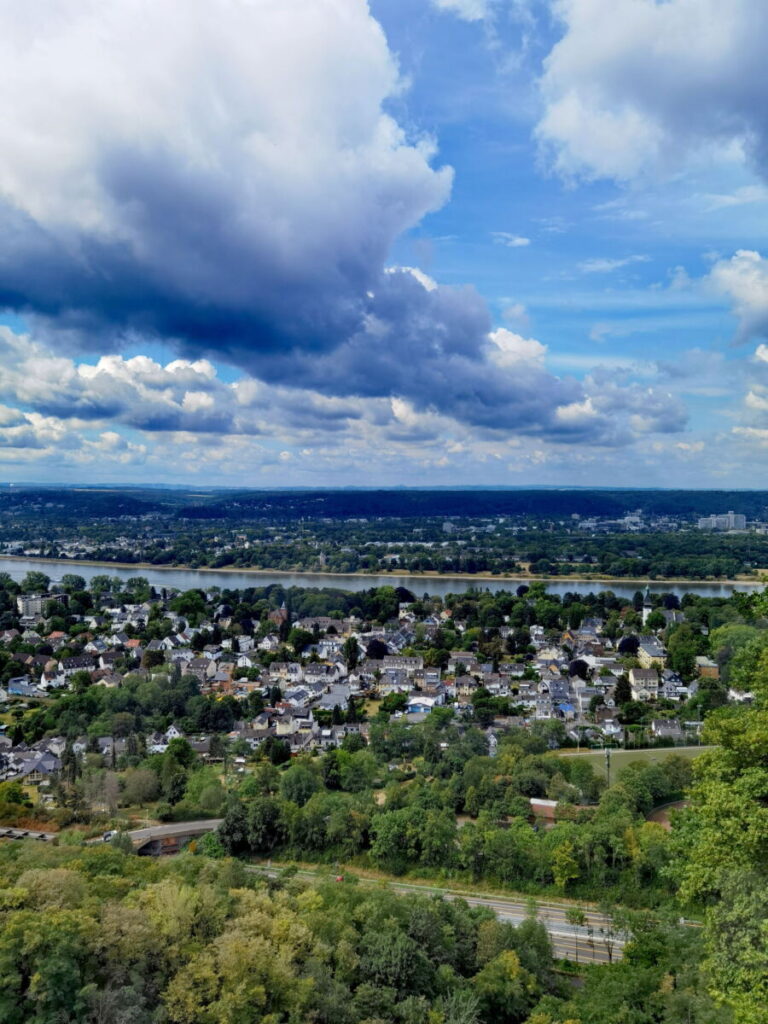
column 593, row 942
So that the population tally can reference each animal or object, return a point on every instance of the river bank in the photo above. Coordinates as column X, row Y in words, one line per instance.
column 605, row 581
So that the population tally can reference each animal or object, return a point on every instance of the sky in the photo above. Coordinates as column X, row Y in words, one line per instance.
column 265, row 243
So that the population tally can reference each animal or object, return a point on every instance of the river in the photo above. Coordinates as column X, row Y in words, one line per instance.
column 187, row 579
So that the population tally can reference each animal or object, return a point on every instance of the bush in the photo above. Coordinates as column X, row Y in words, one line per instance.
column 165, row 812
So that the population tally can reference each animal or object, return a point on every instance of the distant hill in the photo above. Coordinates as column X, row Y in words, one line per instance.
column 547, row 504
column 544, row 503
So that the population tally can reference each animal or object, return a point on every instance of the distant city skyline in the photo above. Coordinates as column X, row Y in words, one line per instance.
column 325, row 243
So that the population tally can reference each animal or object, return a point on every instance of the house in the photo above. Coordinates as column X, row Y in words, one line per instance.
column 706, row 668
column 612, row 730
column 33, row 766
column 279, row 616
column 644, row 683
column 80, row 663
column 404, row 663
column 651, row 653
column 20, row 686
column 336, row 695
column 419, row 704
column 666, row 729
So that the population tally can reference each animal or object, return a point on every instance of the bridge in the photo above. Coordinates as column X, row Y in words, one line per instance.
column 25, row 833
column 164, row 840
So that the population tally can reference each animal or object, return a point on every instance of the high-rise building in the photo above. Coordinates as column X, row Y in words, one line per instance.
column 729, row 521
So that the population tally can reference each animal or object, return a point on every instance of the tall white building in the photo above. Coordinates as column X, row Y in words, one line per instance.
column 729, row 521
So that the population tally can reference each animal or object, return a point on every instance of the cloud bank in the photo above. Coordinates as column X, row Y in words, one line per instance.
column 637, row 86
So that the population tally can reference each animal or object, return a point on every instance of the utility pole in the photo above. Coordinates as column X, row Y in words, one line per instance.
column 608, row 765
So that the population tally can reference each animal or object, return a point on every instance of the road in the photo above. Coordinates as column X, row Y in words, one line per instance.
column 140, row 836
column 593, row 942
column 25, row 833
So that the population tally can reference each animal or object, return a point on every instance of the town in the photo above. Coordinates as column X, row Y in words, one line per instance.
column 577, row 534
column 592, row 674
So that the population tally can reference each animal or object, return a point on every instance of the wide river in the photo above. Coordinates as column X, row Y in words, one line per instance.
column 187, row 579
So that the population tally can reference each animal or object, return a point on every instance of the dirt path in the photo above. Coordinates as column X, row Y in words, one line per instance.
column 661, row 814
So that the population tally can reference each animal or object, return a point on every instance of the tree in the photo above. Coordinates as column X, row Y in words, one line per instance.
column 579, row 667
column 576, row 918
column 351, row 652
column 683, row 644
column 622, row 692
column 299, row 783
column 565, row 867
column 276, row 750
column 656, row 620
column 299, row 639
column 141, row 786
column 506, row 991
column 35, row 582
column 628, row 646
column 264, row 824
column 70, row 582
column 722, row 851
column 376, row 650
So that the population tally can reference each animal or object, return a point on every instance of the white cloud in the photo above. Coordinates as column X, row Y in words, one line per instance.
column 744, row 279
column 424, row 279
column 469, row 10
column 606, row 265
column 743, row 196
column 237, row 179
column 512, row 241
column 577, row 412
column 637, row 85
column 513, row 350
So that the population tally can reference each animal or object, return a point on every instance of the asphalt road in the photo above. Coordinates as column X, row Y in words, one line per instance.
column 594, row 942
column 23, row 833
column 140, row 836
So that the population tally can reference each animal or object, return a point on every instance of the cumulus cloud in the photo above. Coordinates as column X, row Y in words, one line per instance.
column 744, row 279
column 236, row 185
column 137, row 392
column 635, row 407
column 434, row 348
column 637, row 85
column 234, row 190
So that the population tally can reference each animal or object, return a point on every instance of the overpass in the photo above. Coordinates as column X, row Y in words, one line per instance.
column 25, row 833
column 163, row 840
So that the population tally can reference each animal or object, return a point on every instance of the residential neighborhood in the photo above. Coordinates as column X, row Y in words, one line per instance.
column 309, row 681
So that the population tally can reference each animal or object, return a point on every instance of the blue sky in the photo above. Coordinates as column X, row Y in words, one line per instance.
column 319, row 242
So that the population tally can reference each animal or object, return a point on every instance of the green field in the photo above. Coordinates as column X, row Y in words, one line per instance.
column 621, row 757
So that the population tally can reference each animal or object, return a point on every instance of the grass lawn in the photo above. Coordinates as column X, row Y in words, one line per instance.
column 621, row 757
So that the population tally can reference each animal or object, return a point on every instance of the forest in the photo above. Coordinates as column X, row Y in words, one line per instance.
column 94, row 935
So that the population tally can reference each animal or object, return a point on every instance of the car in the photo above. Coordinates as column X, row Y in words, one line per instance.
column 109, row 835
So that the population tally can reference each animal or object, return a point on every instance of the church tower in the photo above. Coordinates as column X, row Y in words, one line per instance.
column 647, row 605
